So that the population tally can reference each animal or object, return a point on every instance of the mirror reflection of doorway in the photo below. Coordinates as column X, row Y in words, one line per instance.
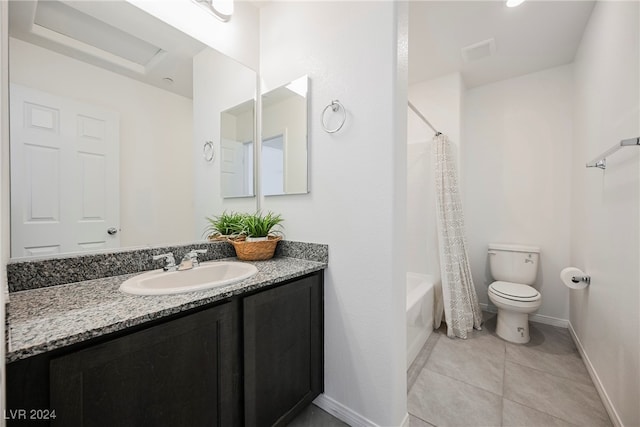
column 65, row 191
column 236, row 167
column 273, row 165
column 236, row 150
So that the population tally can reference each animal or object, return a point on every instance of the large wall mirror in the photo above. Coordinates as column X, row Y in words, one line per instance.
column 106, row 133
column 284, row 154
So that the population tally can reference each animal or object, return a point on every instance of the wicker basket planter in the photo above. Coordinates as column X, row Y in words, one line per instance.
column 255, row 251
column 218, row 238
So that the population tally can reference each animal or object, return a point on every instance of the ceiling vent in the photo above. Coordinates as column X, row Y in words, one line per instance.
column 479, row 50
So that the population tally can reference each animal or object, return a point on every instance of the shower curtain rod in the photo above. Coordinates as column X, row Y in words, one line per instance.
column 424, row 119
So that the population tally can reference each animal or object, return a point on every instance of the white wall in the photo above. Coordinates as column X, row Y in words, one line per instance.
column 440, row 101
column 219, row 83
column 605, row 210
column 517, row 176
column 238, row 38
column 155, row 137
column 357, row 201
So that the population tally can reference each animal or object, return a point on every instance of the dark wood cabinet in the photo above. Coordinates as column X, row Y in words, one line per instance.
column 254, row 360
column 178, row 373
column 283, row 351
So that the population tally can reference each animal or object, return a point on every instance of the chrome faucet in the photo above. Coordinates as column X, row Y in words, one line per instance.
column 170, row 261
column 190, row 259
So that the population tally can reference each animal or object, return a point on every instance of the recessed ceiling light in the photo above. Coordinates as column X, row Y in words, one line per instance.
column 514, row 3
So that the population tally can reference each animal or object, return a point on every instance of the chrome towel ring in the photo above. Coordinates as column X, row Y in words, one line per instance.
column 208, row 152
column 335, row 107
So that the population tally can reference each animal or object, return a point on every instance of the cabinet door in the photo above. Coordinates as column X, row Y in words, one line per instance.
column 181, row 373
column 283, row 351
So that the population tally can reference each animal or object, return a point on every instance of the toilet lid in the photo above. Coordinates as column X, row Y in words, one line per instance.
column 515, row 291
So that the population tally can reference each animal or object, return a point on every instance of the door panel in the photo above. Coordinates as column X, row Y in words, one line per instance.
column 178, row 373
column 232, row 165
column 282, row 351
column 64, row 174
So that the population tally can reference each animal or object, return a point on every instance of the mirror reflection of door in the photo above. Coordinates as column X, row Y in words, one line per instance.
column 273, row 164
column 64, row 175
column 236, row 167
column 236, row 150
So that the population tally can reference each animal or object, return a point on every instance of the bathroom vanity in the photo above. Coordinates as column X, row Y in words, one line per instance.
column 246, row 354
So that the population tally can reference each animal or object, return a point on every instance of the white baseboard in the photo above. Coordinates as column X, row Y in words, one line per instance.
column 548, row 320
column 538, row 318
column 608, row 405
column 347, row 415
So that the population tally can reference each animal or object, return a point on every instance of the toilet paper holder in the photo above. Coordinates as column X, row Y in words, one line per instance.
column 577, row 279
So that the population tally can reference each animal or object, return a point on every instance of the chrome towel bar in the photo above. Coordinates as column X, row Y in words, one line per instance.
column 601, row 160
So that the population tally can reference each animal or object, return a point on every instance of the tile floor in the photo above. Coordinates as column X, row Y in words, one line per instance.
column 313, row 416
column 485, row 381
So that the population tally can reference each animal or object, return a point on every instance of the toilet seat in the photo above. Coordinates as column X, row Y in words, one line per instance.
column 514, row 291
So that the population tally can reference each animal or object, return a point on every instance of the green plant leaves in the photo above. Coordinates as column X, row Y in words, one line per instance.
column 225, row 224
column 234, row 223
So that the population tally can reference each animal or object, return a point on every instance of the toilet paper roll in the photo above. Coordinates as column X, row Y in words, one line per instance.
column 568, row 274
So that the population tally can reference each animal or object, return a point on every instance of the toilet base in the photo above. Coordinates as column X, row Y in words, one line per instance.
column 513, row 326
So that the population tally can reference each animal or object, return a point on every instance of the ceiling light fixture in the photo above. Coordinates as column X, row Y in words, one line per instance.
column 514, row 3
column 221, row 9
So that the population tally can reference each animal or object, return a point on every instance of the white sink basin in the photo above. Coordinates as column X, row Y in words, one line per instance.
column 208, row 275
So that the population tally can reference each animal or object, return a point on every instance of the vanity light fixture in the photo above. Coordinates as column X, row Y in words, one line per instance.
column 221, row 9
column 514, row 3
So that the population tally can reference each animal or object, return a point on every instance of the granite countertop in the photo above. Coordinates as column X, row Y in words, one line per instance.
column 49, row 318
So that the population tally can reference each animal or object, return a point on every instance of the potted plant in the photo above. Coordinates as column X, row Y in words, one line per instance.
column 259, row 236
column 224, row 226
column 258, row 227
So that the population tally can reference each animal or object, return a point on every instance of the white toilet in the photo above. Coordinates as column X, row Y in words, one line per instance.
column 514, row 267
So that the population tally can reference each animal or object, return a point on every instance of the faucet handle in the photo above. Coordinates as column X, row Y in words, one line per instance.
column 193, row 256
column 170, row 261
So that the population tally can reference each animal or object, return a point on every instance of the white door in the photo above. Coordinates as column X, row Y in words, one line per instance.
column 273, row 165
column 64, row 175
column 233, row 164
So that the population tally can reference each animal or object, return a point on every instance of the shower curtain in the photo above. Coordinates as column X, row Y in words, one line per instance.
column 461, row 309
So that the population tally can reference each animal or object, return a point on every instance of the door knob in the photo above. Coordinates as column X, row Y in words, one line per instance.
column 112, row 230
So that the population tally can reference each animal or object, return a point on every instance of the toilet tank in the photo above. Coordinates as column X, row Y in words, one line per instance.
column 514, row 263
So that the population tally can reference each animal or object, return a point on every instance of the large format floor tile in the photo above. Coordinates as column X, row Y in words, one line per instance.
column 564, row 365
column 421, row 359
column 313, row 416
column 552, row 350
column 478, row 360
column 541, row 383
column 443, row 401
column 417, row 422
column 550, row 339
column 568, row 400
column 517, row 415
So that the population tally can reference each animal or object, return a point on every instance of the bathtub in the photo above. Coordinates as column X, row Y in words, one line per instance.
column 420, row 304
